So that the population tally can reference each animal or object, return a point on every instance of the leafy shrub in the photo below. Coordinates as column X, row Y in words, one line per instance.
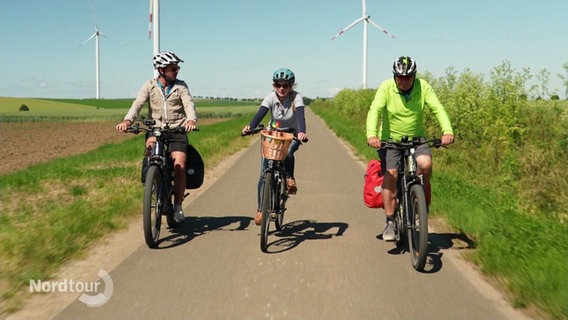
column 24, row 107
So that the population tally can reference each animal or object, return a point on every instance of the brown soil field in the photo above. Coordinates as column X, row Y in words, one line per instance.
column 28, row 143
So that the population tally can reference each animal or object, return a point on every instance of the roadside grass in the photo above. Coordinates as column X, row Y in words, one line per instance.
column 51, row 213
column 526, row 254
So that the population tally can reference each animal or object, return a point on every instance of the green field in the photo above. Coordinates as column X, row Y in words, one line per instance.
column 103, row 109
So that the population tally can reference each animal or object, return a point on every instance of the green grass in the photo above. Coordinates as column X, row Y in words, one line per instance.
column 527, row 254
column 104, row 109
column 52, row 212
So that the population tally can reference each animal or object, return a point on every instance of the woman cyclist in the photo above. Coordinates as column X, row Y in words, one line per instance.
column 286, row 107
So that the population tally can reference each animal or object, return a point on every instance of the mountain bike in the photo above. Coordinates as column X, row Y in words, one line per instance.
column 159, row 181
column 411, row 213
column 274, row 192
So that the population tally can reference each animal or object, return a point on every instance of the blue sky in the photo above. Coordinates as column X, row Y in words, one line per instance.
column 231, row 48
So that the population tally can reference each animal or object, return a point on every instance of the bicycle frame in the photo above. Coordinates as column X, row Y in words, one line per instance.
column 161, row 157
column 276, row 167
column 411, row 213
column 407, row 177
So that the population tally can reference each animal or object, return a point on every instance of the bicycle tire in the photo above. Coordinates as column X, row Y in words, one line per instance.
column 418, row 229
column 151, row 214
column 170, row 220
column 281, row 200
column 267, row 202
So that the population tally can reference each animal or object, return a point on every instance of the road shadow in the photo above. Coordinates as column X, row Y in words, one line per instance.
column 437, row 242
column 296, row 232
column 193, row 227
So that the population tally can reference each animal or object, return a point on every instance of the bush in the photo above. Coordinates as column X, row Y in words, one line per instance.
column 23, row 107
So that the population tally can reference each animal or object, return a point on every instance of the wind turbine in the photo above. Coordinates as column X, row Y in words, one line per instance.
column 154, row 27
column 366, row 19
column 96, row 35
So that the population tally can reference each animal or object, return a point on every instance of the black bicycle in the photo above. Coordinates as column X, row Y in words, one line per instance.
column 274, row 193
column 158, row 181
column 411, row 214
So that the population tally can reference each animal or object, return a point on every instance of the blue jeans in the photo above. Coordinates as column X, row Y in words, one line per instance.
column 289, row 164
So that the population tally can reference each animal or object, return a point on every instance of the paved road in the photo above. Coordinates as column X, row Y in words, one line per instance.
column 327, row 265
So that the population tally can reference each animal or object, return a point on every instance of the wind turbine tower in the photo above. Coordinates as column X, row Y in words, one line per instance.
column 366, row 19
column 96, row 35
column 154, row 27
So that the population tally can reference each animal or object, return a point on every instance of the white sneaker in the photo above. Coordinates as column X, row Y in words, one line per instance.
column 178, row 213
column 389, row 233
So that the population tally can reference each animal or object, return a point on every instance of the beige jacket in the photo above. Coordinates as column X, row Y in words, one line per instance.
column 175, row 109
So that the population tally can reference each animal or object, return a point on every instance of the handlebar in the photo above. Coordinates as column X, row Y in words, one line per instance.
column 136, row 129
column 402, row 145
column 261, row 127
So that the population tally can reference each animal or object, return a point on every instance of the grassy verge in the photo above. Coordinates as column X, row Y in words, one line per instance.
column 526, row 254
column 50, row 213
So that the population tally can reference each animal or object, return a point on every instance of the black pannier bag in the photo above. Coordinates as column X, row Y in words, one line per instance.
column 194, row 168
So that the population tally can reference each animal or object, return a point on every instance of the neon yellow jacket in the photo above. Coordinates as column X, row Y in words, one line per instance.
column 405, row 116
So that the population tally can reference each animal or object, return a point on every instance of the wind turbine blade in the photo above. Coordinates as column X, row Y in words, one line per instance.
column 385, row 31
column 150, row 19
column 91, row 37
column 347, row 28
column 111, row 38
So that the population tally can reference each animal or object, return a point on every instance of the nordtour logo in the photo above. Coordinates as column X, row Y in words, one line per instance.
column 90, row 297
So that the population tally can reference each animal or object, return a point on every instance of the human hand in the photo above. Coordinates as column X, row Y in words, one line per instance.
column 123, row 126
column 302, row 136
column 374, row 142
column 245, row 130
column 190, row 125
column 447, row 138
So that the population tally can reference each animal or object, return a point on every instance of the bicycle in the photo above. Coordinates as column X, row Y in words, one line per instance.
column 158, row 182
column 274, row 193
column 411, row 213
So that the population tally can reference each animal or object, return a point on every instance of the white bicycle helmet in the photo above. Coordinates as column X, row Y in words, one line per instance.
column 404, row 66
column 164, row 59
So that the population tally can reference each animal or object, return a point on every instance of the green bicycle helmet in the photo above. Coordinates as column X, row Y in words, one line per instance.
column 404, row 66
column 284, row 74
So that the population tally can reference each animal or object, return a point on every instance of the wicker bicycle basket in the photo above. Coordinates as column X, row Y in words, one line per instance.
column 275, row 144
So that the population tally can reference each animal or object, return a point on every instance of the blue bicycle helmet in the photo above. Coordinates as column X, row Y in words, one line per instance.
column 284, row 74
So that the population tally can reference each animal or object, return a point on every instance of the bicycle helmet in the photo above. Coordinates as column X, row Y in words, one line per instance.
column 404, row 66
column 284, row 74
column 165, row 58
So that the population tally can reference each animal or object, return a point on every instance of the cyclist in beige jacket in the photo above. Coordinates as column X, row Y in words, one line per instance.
column 169, row 103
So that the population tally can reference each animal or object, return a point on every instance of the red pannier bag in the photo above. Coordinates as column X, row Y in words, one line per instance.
column 373, row 185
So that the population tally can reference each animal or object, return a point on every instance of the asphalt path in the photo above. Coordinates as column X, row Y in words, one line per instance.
column 326, row 264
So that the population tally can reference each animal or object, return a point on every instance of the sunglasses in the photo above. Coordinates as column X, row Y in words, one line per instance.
column 281, row 85
column 173, row 69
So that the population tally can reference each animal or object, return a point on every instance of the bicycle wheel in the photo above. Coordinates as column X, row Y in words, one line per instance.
column 152, row 215
column 267, row 204
column 281, row 200
column 418, row 230
column 169, row 207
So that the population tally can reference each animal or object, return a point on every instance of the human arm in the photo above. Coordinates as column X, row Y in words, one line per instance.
column 301, row 118
column 262, row 111
column 189, row 107
column 440, row 113
column 373, row 116
column 141, row 98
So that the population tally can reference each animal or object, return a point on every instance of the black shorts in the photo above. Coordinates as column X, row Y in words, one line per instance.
column 178, row 141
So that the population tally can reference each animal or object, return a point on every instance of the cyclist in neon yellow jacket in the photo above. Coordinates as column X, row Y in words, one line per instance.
column 399, row 103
